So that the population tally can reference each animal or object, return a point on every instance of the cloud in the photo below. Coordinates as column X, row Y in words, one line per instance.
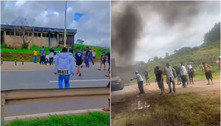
column 168, row 26
column 20, row 2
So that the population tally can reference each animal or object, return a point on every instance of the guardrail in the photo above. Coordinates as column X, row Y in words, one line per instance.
column 30, row 94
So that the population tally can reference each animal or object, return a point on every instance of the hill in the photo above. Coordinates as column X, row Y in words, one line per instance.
column 208, row 52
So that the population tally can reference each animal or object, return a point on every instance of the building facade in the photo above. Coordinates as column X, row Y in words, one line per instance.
column 15, row 36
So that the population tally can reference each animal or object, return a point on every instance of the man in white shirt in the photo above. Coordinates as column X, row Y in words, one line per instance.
column 139, row 81
column 183, row 73
column 170, row 75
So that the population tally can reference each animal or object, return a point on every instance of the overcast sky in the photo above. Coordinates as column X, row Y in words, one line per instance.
column 91, row 19
column 159, row 38
column 168, row 26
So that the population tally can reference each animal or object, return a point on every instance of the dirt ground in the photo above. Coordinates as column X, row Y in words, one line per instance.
column 129, row 100
column 152, row 89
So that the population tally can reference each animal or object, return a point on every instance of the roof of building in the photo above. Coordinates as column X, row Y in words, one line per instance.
column 40, row 29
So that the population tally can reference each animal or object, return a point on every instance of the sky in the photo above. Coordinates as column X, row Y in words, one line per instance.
column 169, row 26
column 91, row 19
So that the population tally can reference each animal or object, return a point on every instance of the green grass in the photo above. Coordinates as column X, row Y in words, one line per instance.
column 89, row 119
column 189, row 109
column 196, row 56
column 19, row 54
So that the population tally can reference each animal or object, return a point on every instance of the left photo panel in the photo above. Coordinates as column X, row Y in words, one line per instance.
column 55, row 63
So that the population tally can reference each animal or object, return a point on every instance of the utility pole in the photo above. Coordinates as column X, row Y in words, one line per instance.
column 65, row 30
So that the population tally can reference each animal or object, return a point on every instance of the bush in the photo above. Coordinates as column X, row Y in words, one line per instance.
column 25, row 45
column 3, row 46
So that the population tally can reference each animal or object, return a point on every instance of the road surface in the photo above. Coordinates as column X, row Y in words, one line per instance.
column 45, row 79
column 39, row 106
column 34, row 76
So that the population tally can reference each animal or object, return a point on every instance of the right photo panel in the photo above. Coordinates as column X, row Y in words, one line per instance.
column 165, row 63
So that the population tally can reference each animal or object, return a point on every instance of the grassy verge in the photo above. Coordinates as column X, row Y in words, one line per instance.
column 26, row 55
column 189, row 109
column 89, row 119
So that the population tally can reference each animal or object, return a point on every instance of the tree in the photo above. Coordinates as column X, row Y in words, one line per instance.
column 213, row 35
column 80, row 41
column 26, row 34
column 23, row 30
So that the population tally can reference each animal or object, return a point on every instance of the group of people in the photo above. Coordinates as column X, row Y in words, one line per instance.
column 181, row 72
column 43, row 56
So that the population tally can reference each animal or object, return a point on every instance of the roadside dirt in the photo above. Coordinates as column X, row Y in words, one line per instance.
column 152, row 89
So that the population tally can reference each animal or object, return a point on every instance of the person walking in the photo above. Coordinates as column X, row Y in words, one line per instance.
column 183, row 73
column 35, row 54
column 64, row 67
column 79, row 61
column 108, row 60
column 42, row 56
column 139, row 82
column 87, row 57
column 51, row 58
column 177, row 69
column 91, row 56
column 190, row 71
column 208, row 72
column 170, row 75
column 94, row 54
column 159, row 79
column 103, row 61
column 146, row 77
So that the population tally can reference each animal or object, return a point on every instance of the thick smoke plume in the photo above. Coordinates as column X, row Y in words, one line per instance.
column 129, row 19
column 126, row 28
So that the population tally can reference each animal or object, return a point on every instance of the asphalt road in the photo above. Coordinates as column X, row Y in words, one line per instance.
column 38, row 106
column 45, row 79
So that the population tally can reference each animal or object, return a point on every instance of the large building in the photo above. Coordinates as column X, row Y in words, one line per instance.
column 15, row 36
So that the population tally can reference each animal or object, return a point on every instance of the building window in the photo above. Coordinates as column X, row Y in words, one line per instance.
column 12, row 33
column 26, row 33
column 21, row 34
column 43, row 34
column 39, row 34
column 7, row 32
column 35, row 34
column 17, row 33
column 30, row 34
column 47, row 35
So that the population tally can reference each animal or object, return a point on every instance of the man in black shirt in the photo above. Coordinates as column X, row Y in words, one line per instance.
column 159, row 79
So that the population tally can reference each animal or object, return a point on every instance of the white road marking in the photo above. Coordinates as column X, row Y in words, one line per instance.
column 91, row 80
column 9, row 118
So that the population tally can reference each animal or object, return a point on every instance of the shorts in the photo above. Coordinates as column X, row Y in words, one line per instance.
column 208, row 75
column 160, row 84
column 178, row 77
column 103, row 62
column 78, row 63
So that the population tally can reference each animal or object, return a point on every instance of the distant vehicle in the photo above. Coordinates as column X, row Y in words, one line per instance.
column 54, row 57
column 116, row 83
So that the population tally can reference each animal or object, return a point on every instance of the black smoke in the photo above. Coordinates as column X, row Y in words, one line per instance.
column 128, row 20
column 126, row 27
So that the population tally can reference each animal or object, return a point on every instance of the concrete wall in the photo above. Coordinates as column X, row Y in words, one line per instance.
column 16, row 41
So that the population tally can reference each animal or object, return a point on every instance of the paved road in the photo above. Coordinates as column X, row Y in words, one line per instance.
column 45, row 79
column 28, row 107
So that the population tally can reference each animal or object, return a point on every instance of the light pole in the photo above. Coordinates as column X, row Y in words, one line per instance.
column 65, row 30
